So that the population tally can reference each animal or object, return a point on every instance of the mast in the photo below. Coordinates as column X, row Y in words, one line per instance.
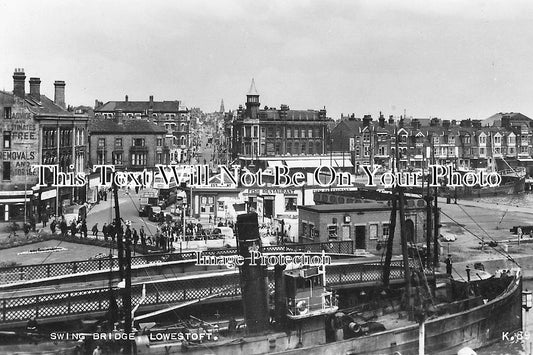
column 392, row 230
column 126, row 291
column 403, row 237
column 435, row 222
column 429, row 225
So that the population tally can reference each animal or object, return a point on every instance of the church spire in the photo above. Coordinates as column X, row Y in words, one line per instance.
column 222, row 106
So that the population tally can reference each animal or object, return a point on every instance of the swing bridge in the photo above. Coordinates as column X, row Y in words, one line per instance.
column 83, row 289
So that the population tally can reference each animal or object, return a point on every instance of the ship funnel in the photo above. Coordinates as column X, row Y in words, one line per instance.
column 253, row 275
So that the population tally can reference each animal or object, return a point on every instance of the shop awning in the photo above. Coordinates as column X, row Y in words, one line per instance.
column 274, row 163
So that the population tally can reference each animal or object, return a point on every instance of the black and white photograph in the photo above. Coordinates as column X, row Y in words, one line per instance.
column 266, row 177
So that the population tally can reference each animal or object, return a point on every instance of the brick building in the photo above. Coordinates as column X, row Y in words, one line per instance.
column 127, row 143
column 269, row 132
column 366, row 223
column 171, row 115
column 38, row 130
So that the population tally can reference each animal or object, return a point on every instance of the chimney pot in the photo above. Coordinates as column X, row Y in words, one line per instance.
column 59, row 94
column 35, row 88
column 126, row 98
column 19, row 82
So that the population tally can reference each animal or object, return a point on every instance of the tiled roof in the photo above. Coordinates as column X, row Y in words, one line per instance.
column 127, row 126
column 139, row 106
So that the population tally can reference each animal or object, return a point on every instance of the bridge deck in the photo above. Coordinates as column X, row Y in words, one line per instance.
column 53, row 306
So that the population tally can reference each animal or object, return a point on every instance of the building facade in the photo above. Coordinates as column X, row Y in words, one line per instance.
column 367, row 224
column 269, row 132
column 171, row 115
column 38, row 130
column 128, row 143
column 470, row 144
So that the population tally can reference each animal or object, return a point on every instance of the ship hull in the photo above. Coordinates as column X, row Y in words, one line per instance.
column 475, row 327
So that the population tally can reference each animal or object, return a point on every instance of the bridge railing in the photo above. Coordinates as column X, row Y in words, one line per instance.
column 217, row 285
column 22, row 273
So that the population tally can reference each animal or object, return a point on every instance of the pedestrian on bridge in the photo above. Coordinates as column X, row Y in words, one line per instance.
column 95, row 231
column 83, row 229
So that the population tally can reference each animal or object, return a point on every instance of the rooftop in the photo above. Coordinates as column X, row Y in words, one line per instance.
column 127, row 126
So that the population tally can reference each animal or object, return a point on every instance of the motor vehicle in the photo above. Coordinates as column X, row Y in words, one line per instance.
column 155, row 213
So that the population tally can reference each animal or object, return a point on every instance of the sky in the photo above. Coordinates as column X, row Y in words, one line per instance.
column 448, row 59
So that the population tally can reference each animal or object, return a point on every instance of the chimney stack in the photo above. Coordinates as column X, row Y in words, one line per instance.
column 35, row 88
column 151, row 103
column 19, row 79
column 59, row 94
column 126, row 98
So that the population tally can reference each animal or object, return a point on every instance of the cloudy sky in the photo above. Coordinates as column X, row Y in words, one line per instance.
column 450, row 59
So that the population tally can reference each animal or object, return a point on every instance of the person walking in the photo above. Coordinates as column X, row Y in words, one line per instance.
column 63, row 227
column 448, row 263
column 73, row 229
column 95, row 231
column 83, row 229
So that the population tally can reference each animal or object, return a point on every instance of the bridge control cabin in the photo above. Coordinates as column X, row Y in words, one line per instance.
column 307, row 295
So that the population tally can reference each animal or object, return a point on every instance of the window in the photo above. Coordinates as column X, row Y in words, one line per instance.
column 159, row 142
column 101, row 142
column 366, row 151
column 482, row 151
column 497, row 140
column 382, row 150
column 6, row 173
column 256, row 131
column 310, row 133
column 138, row 142
column 270, row 132
column 512, row 140
column 296, row 133
column 118, row 142
column 7, row 140
column 373, row 231
column 467, row 139
column 303, row 132
column 366, row 137
column 278, row 132
column 482, row 140
column 305, row 231
column 436, row 140
column 289, row 132
column 117, row 158
column 332, row 232
column 290, row 203
column 159, row 158
column 386, row 231
column 7, row 113
column 304, row 148
column 497, row 150
column 138, row 159
column 248, row 130
column 100, row 157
